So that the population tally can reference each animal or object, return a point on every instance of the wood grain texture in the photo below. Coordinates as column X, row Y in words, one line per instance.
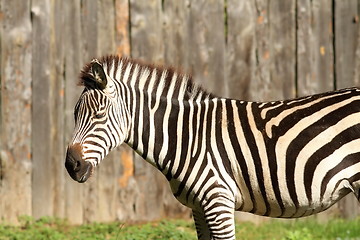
column 147, row 42
column 176, row 39
column 146, row 30
column 89, row 47
column 347, row 27
column 314, row 47
column 16, row 94
column 207, row 44
column 74, row 192
column 252, row 49
column 122, row 24
column 240, row 48
column 346, row 38
column 42, row 110
column 275, row 41
column 107, row 185
column 58, row 76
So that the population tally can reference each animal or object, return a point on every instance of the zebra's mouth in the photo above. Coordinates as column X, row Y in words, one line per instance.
column 78, row 169
column 87, row 174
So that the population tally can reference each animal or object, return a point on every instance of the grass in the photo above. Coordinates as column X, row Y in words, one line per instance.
column 337, row 229
column 58, row 229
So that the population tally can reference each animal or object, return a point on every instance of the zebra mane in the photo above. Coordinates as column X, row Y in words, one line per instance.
column 112, row 63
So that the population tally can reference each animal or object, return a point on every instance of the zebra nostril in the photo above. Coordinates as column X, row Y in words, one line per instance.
column 77, row 166
column 73, row 161
column 71, row 164
column 78, row 169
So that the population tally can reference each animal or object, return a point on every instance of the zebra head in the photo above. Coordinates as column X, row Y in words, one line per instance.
column 99, row 123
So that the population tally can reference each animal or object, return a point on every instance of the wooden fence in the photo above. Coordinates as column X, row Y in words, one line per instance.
column 249, row 49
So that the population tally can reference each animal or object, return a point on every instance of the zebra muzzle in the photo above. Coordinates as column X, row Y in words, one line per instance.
column 78, row 169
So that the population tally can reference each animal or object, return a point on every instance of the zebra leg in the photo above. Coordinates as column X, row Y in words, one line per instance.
column 221, row 222
column 202, row 229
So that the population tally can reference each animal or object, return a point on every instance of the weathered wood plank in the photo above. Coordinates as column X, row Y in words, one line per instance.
column 138, row 201
column 346, row 40
column 357, row 59
column 176, row 41
column 89, row 42
column 122, row 23
column 240, row 48
column 283, row 42
column 2, row 168
column 175, row 34
column 58, row 72
column 275, row 42
column 109, row 169
column 146, row 44
column 99, row 39
column 146, row 30
column 74, row 199
column 206, row 29
column 89, row 30
column 260, row 87
column 15, row 152
column 123, row 157
column 106, row 27
column 128, row 193
column 347, row 29
column 241, row 64
column 270, row 47
column 315, row 53
column 314, row 47
column 42, row 179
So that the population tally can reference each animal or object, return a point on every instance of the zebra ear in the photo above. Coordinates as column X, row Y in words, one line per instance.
column 99, row 75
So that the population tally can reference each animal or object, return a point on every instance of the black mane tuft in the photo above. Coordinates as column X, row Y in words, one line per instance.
column 192, row 90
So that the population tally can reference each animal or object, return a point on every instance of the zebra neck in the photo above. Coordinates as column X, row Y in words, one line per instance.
column 162, row 129
column 154, row 127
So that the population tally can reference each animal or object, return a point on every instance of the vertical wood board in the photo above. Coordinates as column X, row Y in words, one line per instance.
column 314, row 47
column 240, row 58
column 347, row 27
column 42, row 177
column 254, row 50
column 207, row 44
column 15, row 152
column 57, row 55
column 74, row 198
column 146, row 34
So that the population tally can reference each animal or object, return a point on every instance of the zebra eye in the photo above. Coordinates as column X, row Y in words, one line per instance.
column 100, row 115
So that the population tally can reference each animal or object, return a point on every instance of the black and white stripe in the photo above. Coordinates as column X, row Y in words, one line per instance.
column 287, row 159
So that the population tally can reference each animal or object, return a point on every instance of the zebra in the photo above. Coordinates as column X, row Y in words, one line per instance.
column 281, row 159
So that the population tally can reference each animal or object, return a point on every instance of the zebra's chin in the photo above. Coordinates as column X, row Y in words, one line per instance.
column 87, row 174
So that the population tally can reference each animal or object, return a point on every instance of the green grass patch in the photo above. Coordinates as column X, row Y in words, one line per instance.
column 337, row 229
column 58, row 229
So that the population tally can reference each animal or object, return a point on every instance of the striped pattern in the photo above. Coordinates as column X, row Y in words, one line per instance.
column 289, row 158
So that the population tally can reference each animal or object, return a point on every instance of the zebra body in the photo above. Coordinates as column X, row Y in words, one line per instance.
column 287, row 159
